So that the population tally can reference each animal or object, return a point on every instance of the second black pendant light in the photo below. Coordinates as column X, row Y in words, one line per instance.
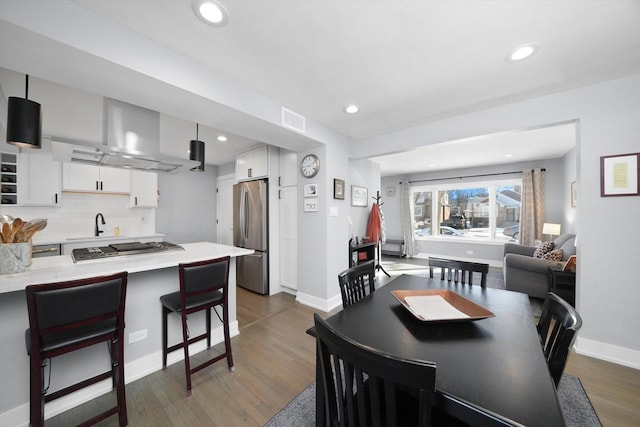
column 196, row 152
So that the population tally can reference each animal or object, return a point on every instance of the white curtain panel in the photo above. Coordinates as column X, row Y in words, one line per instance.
column 410, row 246
column 532, row 217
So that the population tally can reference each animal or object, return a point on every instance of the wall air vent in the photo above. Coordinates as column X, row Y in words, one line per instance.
column 292, row 120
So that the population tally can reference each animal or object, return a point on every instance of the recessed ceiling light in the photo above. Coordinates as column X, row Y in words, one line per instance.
column 222, row 138
column 522, row 52
column 351, row 109
column 508, row 155
column 211, row 12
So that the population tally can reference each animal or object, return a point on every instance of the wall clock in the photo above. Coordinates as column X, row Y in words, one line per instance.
column 310, row 166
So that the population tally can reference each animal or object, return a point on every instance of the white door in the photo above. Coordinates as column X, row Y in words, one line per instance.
column 289, row 237
column 225, row 209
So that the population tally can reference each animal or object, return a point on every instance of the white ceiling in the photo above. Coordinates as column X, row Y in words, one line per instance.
column 403, row 62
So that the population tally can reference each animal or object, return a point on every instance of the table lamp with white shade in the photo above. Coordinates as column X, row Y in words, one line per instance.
column 551, row 229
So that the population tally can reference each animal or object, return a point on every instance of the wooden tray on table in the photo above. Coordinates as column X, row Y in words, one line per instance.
column 429, row 305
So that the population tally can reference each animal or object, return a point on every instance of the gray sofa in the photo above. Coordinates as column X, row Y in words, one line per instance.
column 524, row 273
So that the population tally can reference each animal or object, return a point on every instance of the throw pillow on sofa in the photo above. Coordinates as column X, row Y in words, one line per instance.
column 543, row 248
column 554, row 255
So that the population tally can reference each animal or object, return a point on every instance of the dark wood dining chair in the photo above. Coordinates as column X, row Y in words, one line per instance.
column 68, row 316
column 362, row 386
column 357, row 282
column 459, row 270
column 558, row 327
column 204, row 285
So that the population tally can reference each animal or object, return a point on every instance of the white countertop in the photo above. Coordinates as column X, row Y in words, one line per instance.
column 62, row 268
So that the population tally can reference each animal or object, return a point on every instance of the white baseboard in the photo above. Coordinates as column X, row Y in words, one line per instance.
column 319, row 303
column 133, row 371
column 609, row 352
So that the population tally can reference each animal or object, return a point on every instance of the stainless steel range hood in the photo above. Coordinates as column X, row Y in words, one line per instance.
column 131, row 141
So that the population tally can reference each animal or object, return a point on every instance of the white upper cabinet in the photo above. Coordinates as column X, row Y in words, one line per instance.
column 253, row 164
column 39, row 177
column 144, row 189
column 288, row 168
column 87, row 178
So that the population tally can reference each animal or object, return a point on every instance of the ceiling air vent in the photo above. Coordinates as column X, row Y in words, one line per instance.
column 292, row 120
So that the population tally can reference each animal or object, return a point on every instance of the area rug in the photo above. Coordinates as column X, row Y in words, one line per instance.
column 575, row 404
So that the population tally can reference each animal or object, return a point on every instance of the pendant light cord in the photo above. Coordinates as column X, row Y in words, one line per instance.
column 197, row 139
column 26, row 89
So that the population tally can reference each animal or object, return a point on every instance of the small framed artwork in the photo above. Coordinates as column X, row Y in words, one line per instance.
column 619, row 175
column 391, row 191
column 574, row 194
column 338, row 189
column 310, row 190
column 359, row 196
column 311, row 204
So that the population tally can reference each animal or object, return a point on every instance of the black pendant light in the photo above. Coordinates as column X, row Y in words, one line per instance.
column 196, row 152
column 24, row 121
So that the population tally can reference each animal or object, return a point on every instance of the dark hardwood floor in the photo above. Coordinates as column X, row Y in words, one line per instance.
column 275, row 360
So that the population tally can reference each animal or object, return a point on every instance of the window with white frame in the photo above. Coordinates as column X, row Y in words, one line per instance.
column 474, row 210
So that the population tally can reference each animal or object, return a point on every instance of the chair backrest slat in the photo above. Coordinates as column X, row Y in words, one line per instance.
column 558, row 326
column 366, row 387
column 460, row 270
column 356, row 283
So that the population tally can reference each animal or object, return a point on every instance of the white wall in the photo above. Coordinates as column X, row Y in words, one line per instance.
column 607, row 116
column 323, row 239
column 187, row 206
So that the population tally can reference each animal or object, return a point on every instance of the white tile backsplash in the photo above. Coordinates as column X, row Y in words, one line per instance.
column 75, row 217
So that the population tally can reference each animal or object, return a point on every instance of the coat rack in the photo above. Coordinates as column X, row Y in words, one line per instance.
column 379, row 249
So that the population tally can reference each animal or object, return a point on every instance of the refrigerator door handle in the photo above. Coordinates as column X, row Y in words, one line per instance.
column 242, row 216
column 245, row 214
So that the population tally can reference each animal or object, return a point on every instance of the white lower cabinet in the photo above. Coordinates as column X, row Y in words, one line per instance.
column 289, row 237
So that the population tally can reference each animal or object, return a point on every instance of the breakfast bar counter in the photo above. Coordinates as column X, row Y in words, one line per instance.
column 150, row 276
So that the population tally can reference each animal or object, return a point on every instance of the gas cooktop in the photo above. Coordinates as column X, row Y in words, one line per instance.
column 121, row 249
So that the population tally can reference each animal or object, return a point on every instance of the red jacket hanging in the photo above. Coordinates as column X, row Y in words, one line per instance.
column 373, row 227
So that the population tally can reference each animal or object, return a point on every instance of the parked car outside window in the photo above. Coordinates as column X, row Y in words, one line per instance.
column 512, row 231
column 444, row 231
column 455, row 221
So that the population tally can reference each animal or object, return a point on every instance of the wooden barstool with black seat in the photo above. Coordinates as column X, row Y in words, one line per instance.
column 68, row 316
column 203, row 286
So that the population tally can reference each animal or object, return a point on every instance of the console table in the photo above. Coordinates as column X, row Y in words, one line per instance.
column 361, row 253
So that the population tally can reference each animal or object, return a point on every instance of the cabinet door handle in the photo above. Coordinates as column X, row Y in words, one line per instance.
column 56, row 198
column 280, row 181
column 97, row 187
column 100, row 185
column 136, row 202
column 249, row 173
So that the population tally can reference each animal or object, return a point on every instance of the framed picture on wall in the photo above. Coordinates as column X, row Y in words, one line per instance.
column 310, row 190
column 311, row 204
column 619, row 175
column 359, row 196
column 338, row 189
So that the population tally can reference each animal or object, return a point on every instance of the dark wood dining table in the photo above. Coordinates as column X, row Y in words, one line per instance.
column 489, row 372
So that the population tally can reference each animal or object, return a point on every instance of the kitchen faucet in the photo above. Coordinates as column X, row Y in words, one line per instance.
column 98, row 231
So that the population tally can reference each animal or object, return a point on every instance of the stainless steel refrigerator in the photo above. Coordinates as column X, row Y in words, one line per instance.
column 250, row 230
